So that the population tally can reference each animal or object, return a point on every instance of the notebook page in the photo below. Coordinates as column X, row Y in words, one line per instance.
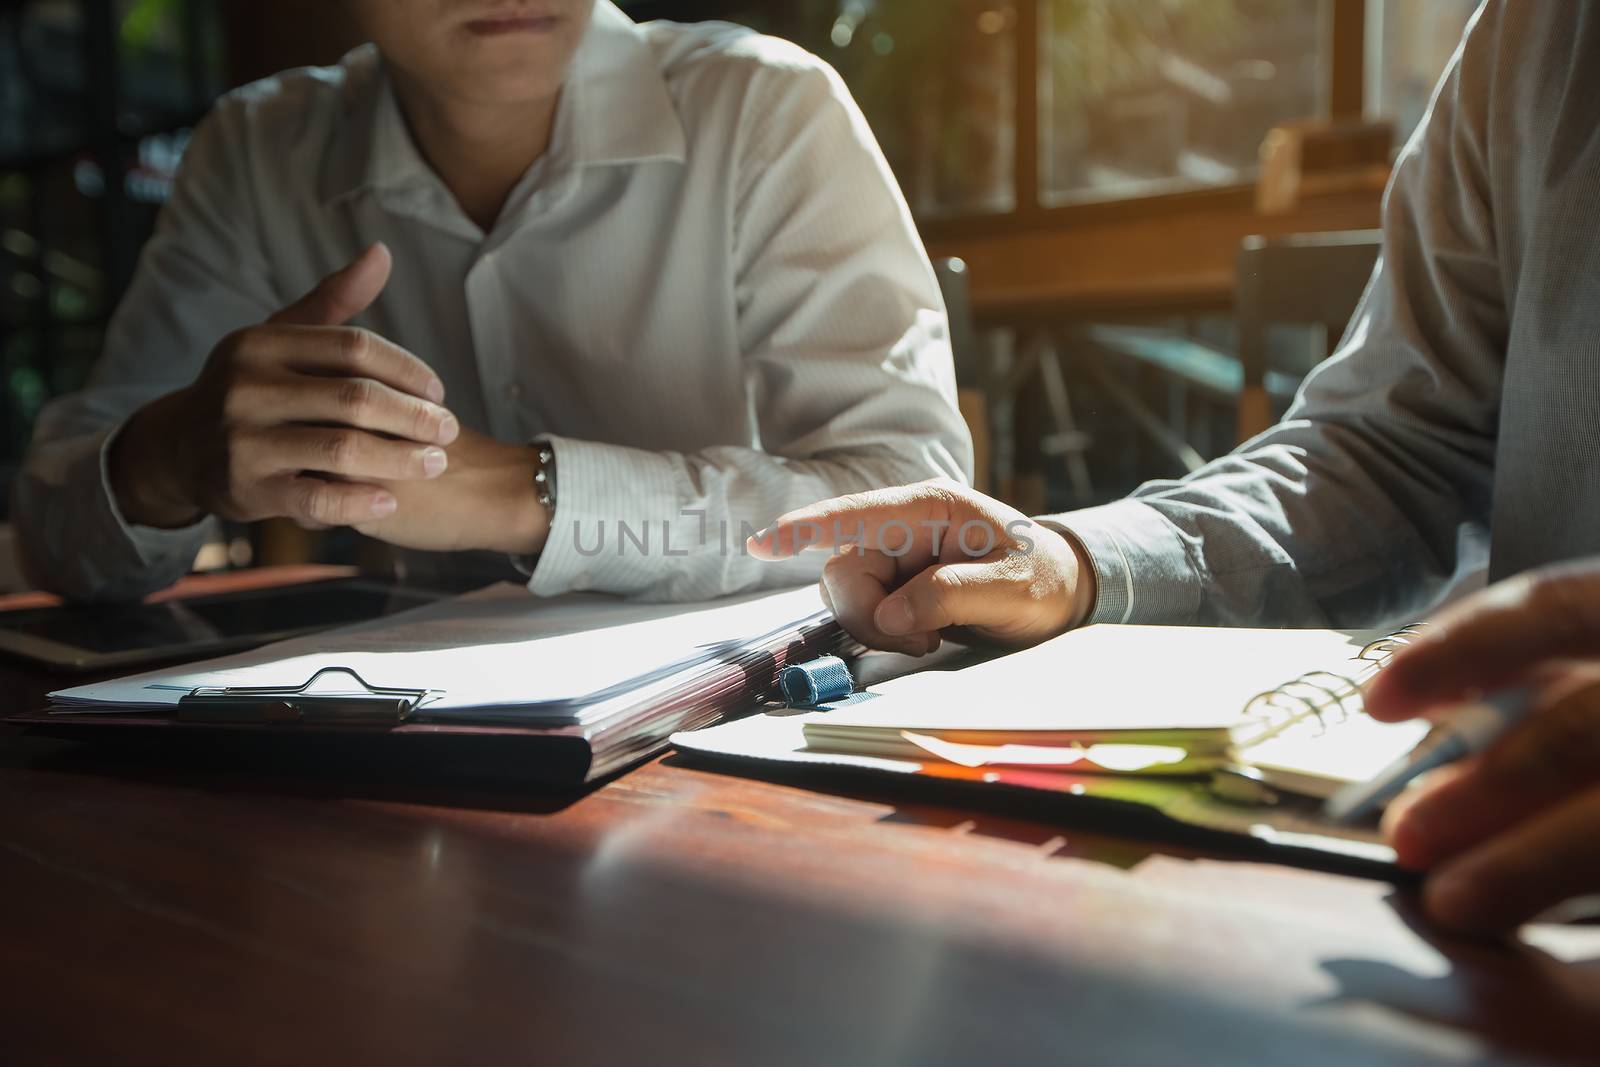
column 1107, row 679
column 1315, row 759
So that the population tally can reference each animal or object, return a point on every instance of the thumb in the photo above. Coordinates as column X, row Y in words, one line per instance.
column 343, row 294
column 945, row 595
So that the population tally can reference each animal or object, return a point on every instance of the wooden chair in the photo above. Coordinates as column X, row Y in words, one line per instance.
column 972, row 373
column 1301, row 279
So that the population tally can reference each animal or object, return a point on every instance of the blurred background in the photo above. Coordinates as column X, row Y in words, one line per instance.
column 1150, row 217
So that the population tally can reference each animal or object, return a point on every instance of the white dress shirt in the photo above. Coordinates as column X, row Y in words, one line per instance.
column 708, row 295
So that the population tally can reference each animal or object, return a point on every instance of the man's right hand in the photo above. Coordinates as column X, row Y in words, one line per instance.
column 915, row 561
column 297, row 418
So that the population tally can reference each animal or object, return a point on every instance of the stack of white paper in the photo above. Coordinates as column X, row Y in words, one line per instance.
column 497, row 655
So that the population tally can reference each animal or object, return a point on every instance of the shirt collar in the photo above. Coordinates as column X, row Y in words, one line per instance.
column 615, row 108
column 622, row 110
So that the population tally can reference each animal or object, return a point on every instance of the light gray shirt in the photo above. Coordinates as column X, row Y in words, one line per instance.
column 709, row 295
column 1460, row 418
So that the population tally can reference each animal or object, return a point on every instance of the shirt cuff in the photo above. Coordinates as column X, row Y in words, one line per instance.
column 616, row 508
column 1142, row 569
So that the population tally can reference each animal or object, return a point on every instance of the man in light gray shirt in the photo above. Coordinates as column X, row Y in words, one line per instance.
column 670, row 255
column 1459, row 421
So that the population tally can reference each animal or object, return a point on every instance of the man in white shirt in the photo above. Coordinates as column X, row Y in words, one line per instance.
column 521, row 277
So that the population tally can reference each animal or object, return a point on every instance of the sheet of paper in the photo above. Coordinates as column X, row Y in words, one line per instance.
column 499, row 647
column 1106, row 678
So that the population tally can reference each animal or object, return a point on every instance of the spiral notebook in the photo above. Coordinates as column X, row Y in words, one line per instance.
column 1145, row 699
column 1234, row 731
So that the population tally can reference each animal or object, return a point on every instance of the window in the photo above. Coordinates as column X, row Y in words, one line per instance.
column 85, row 162
column 1132, row 97
column 1143, row 98
column 936, row 80
column 1411, row 41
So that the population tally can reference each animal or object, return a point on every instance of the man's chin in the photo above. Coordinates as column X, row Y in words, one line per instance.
column 523, row 84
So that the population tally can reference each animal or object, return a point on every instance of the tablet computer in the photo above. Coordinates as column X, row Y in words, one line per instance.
column 96, row 637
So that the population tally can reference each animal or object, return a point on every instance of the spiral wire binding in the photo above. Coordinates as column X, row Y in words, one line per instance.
column 1323, row 697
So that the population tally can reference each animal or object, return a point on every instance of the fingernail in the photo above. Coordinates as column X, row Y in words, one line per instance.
column 384, row 505
column 894, row 616
column 435, row 391
column 760, row 542
column 449, row 429
column 434, row 462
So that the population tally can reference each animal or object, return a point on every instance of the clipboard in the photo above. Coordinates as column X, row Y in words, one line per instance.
column 374, row 705
column 366, row 729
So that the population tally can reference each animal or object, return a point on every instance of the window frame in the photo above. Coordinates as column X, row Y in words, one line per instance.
column 1343, row 95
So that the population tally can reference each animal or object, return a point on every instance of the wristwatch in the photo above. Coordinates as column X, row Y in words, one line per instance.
column 544, row 476
column 544, row 488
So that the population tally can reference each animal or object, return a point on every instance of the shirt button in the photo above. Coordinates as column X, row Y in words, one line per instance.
column 514, row 390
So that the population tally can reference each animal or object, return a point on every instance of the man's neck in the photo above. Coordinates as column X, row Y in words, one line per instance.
column 480, row 151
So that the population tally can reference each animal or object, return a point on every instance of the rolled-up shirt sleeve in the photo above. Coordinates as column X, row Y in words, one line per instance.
column 82, row 517
column 847, row 366
column 200, row 277
column 1374, row 492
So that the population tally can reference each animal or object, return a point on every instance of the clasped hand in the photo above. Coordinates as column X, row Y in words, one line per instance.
column 304, row 417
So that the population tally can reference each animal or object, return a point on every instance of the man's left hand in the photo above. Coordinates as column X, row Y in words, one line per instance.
column 485, row 499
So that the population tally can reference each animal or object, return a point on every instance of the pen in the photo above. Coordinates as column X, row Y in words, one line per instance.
column 1473, row 728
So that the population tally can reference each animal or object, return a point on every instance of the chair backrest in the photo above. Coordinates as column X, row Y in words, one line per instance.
column 953, row 286
column 972, row 379
column 1302, row 279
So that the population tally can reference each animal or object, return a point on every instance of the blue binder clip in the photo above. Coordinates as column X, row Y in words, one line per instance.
column 824, row 683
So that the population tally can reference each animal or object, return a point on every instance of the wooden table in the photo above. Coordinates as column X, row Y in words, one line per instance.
column 164, row 914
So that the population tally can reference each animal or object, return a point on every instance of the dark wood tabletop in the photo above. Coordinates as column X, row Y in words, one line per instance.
column 158, row 911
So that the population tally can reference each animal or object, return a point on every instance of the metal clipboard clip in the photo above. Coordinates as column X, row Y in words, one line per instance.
column 376, row 705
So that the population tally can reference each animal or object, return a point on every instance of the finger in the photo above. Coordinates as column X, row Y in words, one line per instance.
column 1454, row 809
column 978, row 595
column 1550, row 755
column 1491, row 638
column 361, row 403
column 891, row 520
column 854, row 584
column 345, row 352
column 345, row 453
column 343, row 294
column 1514, row 876
column 327, row 503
